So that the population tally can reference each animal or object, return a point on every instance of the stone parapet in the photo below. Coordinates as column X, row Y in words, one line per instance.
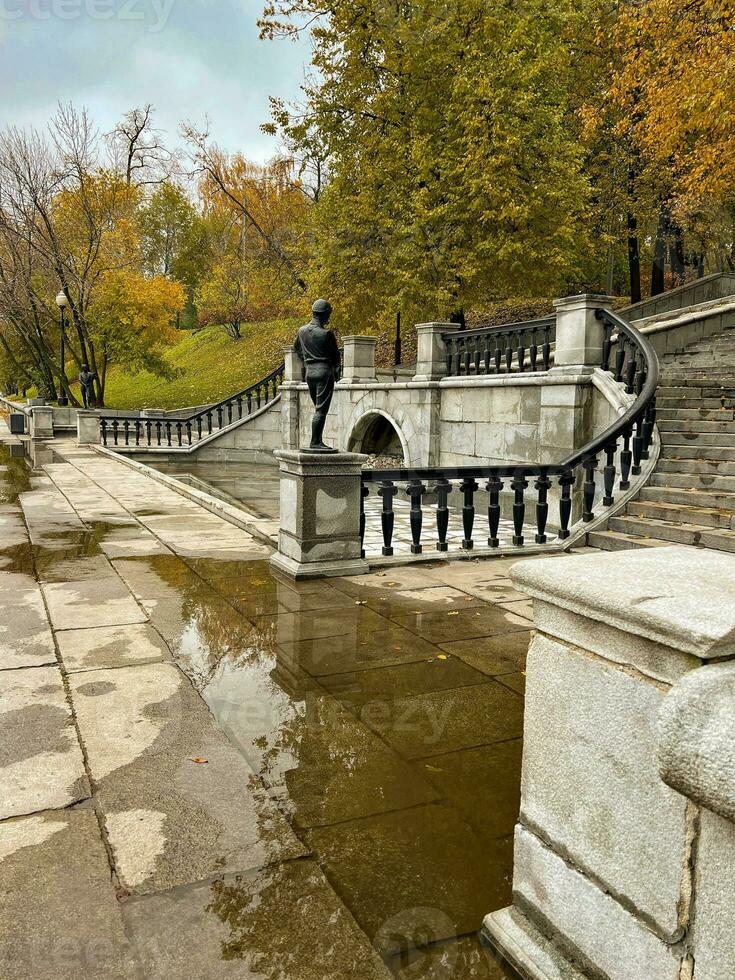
column 42, row 422
column 431, row 361
column 88, row 428
column 620, row 693
column 579, row 334
column 358, row 360
column 320, row 514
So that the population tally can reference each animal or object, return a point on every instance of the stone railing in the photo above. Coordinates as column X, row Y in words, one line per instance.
column 625, row 842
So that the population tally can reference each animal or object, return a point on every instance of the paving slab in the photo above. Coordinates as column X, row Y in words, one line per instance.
column 358, row 649
column 180, row 803
column 41, row 765
column 59, row 918
column 460, row 624
column 81, row 605
column 421, row 872
column 110, row 646
column 493, row 655
column 464, row 958
column 25, row 637
column 283, row 922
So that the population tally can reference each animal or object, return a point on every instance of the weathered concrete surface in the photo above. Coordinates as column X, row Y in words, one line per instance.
column 283, row 921
column 110, row 646
column 696, row 751
column 41, row 764
column 715, row 902
column 85, row 604
column 59, row 919
column 25, row 638
column 171, row 819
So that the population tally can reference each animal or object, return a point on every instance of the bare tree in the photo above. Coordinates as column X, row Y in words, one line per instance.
column 138, row 149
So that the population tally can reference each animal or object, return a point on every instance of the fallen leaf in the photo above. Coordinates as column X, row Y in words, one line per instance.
column 360, row 602
column 199, row 761
column 442, row 656
column 454, row 612
column 433, row 768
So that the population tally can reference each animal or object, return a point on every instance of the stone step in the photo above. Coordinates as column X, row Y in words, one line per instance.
column 694, row 450
column 706, row 467
column 709, row 380
column 690, row 498
column 676, row 533
column 726, row 439
column 617, row 541
column 694, row 481
column 710, row 404
column 677, row 391
column 661, row 511
column 695, row 425
column 666, row 413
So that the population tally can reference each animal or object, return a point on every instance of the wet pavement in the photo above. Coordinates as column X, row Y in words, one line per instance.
column 211, row 772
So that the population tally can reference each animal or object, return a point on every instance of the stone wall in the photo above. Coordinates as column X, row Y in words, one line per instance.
column 617, row 871
column 253, row 441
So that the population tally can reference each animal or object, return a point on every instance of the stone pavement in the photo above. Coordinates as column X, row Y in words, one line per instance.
column 208, row 772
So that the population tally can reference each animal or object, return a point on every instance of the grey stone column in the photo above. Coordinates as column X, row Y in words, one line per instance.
column 320, row 514
column 358, row 359
column 42, row 422
column 290, row 398
column 579, row 334
column 88, row 428
column 431, row 351
column 608, row 858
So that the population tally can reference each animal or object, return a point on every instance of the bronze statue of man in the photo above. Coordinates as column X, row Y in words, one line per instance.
column 86, row 378
column 318, row 349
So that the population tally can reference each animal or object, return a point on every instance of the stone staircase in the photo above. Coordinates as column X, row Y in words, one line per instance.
column 691, row 496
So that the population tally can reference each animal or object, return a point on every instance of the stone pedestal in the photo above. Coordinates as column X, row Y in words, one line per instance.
column 431, row 351
column 320, row 514
column 358, row 360
column 579, row 334
column 88, row 428
column 42, row 422
column 608, row 857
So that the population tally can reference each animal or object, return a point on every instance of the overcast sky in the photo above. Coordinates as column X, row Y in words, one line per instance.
column 189, row 58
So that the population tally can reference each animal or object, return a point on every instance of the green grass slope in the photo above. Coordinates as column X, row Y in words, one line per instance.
column 208, row 367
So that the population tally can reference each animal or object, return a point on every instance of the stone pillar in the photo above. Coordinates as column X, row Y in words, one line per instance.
column 431, row 360
column 42, row 422
column 608, row 858
column 290, row 398
column 88, row 428
column 320, row 514
column 579, row 334
column 358, row 360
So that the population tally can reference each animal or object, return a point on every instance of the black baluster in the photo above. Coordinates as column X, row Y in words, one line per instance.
column 229, row 413
column 608, row 474
column 518, row 486
column 364, row 491
column 199, row 427
column 457, row 357
column 626, row 458
column 250, row 402
column 494, row 486
column 168, row 433
column 137, row 432
column 546, row 349
column 158, row 433
column 219, row 417
column 630, row 370
column 606, row 345
column 126, row 432
column 509, row 353
column 478, row 341
column 533, row 352
column 209, row 423
column 103, row 431
column 416, row 490
column 566, row 482
column 442, row 489
column 387, row 518
column 114, row 430
column 188, row 432
column 258, row 397
column 466, row 345
column 498, row 352
column 449, row 344
column 638, row 446
column 620, row 357
column 486, row 353
column 148, row 432
column 468, row 487
column 649, row 420
column 521, row 353
column 179, row 430
column 239, row 406
column 542, row 508
column 589, row 464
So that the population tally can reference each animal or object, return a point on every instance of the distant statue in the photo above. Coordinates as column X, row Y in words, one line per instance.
column 86, row 379
column 317, row 347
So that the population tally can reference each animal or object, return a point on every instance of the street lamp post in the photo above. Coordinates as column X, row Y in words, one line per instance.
column 62, row 301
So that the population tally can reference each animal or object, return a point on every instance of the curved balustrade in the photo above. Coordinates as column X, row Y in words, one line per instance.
column 179, row 432
column 522, row 346
column 623, row 445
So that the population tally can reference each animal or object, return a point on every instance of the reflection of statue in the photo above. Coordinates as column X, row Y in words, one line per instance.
column 85, row 381
column 317, row 347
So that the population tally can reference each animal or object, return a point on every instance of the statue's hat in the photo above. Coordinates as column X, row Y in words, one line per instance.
column 321, row 307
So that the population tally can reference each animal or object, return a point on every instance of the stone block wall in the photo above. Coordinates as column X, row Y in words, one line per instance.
column 254, row 441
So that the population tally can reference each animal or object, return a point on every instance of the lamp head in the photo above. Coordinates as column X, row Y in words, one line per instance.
column 62, row 301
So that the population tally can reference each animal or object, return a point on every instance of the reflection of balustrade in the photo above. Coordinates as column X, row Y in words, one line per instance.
column 169, row 432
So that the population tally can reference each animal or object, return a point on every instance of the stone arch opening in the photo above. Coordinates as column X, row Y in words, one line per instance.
column 378, row 436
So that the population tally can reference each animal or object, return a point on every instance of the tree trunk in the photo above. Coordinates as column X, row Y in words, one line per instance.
column 634, row 259
column 676, row 254
column 659, row 253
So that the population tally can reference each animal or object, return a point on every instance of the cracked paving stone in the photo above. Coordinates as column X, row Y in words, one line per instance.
column 283, row 922
column 41, row 765
column 77, row 605
column 110, row 646
column 180, row 803
column 59, row 918
column 25, row 637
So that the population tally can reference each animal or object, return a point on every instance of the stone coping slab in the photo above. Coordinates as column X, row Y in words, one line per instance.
column 681, row 597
